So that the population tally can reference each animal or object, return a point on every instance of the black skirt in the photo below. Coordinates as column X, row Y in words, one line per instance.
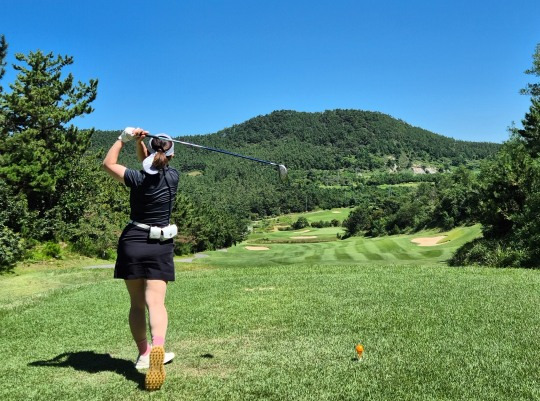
column 141, row 257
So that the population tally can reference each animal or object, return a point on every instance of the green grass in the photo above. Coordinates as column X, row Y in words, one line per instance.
column 30, row 282
column 458, row 232
column 396, row 249
column 320, row 234
column 282, row 325
column 404, row 184
column 288, row 333
column 339, row 214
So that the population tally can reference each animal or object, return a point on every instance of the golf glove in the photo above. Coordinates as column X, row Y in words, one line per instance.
column 127, row 134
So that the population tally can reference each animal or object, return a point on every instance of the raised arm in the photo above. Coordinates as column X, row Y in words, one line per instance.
column 110, row 164
column 142, row 151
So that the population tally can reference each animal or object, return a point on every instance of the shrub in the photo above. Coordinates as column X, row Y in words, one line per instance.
column 322, row 224
column 302, row 222
column 11, row 248
column 184, row 245
column 96, row 246
column 94, row 238
column 52, row 250
column 489, row 252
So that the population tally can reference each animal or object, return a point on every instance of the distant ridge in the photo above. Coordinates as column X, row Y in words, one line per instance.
column 341, row 139
column 330, row 140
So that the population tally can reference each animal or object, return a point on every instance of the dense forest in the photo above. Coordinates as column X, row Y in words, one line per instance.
column 334, row 159
column 332, row 140
column 53, row 192
column 324, row 162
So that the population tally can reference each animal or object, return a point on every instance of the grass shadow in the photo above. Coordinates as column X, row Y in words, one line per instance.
column 92, row 362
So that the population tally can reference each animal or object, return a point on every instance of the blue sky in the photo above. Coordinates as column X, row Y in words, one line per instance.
column 195, row 67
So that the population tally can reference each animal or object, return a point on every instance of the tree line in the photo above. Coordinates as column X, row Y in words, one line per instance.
column 502, row 195
column 52, row 189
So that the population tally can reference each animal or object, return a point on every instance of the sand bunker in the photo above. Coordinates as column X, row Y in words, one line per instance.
column 336, row 212
column 305, row 237
column 430, row 241
column 302, row 232
column 257, row 248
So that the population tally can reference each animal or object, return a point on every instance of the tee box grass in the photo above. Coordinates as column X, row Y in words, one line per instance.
column 289, row 333
column 282, row 324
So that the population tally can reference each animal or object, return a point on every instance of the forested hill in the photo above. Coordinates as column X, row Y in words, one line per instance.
column 336, row 139
column 342, row 139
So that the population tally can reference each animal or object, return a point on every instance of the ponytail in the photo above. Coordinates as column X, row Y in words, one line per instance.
column 161, row 160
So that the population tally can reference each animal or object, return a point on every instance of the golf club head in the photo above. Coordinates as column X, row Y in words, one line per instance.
column 283, row 172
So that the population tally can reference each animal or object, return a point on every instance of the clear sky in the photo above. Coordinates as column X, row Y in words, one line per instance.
column 453, row 67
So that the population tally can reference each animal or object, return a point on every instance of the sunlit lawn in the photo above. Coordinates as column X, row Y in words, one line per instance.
column 282, row 324
column 285, row 247
column 288, row 333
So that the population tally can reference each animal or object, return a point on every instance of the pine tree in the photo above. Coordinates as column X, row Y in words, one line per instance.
column 3, row 54
column 533, row 88
column 37, row 146
column 531, row 127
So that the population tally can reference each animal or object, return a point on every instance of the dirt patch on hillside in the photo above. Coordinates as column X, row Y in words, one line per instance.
column 257, row 248
column 305, row 237
column 429, row 241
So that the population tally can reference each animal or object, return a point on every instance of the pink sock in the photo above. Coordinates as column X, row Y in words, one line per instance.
column 143, row 347
column 158, row 341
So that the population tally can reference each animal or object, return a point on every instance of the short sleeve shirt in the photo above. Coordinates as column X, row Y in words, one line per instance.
column 152, row 196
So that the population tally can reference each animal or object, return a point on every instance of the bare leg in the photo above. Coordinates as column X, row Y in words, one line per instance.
column 155, row 301
column 137, row 311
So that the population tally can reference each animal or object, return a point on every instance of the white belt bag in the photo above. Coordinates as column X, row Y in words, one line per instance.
column 160, row 233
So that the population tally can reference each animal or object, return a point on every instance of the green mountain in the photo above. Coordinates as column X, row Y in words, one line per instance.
column 332, row 157
column 330, row 140
column 342, row 139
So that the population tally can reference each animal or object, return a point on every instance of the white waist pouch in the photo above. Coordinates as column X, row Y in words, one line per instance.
column 155, row 233
column 168, row 232
column 164, row 233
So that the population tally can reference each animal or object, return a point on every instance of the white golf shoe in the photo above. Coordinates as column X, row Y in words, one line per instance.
column 143, row 361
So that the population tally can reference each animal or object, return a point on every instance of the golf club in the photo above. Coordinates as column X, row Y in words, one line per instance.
column 283, row 175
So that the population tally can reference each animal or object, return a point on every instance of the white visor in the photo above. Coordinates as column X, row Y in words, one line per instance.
column 147, row 163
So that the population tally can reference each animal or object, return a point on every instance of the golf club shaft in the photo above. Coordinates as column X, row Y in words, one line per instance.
column 214, row 150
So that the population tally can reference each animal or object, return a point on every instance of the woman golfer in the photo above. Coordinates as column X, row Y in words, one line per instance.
column 145, row 248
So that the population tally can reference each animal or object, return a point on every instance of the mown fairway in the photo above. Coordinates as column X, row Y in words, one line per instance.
column 318, row 215
column 286, row 247
column 246, row 326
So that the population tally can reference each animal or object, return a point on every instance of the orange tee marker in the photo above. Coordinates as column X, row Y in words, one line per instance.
column 359, row 350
